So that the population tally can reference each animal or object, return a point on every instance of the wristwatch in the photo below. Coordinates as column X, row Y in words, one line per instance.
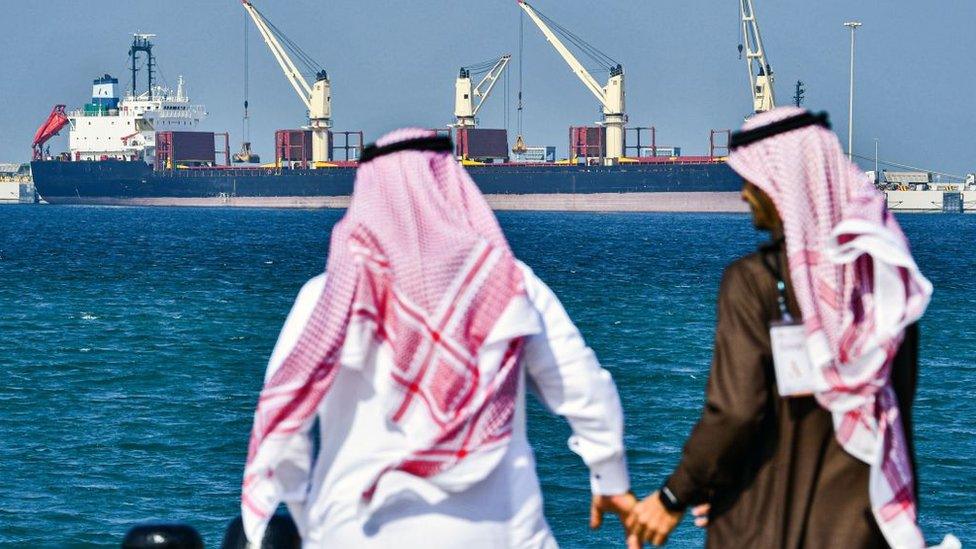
column 669, row 500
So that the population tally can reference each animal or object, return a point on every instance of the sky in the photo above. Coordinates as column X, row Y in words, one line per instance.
column 394, row 63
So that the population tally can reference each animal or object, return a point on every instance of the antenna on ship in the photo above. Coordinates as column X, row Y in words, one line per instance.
column 800, row 92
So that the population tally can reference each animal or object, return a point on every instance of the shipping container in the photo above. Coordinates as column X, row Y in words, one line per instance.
column 184, row 148
column 482, row 144
column 660, row 151
column 952, row 202
column 538, row 154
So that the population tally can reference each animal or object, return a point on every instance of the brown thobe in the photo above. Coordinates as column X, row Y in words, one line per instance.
column 771, row 466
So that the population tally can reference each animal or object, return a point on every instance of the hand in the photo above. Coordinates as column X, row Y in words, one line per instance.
column 620, row 504
column 701, row 513
column 650, row 522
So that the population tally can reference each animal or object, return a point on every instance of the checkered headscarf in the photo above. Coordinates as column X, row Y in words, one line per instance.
column 858, row 288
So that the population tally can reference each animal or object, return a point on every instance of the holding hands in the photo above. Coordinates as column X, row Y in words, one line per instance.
column 650, row 521
column 620, row 505
column 647, row 521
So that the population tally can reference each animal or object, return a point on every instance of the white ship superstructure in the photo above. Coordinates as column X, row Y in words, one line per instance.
column 109, row 128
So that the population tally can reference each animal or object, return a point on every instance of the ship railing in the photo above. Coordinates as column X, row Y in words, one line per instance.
column 250, row 171
column 671, row 160
column 78, row 113
column 219, row 171
column 196, row 114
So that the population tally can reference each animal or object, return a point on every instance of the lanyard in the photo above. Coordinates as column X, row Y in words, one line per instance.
column 773, row 267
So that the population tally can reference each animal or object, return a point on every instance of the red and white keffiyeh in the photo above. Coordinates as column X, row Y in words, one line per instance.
column 858, row 288
column 419, row 261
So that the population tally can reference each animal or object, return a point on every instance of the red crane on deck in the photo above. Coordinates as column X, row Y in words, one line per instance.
column 54, row 123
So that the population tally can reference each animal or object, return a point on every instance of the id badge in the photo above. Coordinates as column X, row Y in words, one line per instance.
column 794, row 371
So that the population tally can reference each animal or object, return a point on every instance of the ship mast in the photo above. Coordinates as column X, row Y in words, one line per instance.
column 142, row 43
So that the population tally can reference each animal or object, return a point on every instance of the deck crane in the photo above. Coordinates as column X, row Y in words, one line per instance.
column 760, row 75
column 316, row 97
column 54, row 123
column 465, row 109
column 611, row 96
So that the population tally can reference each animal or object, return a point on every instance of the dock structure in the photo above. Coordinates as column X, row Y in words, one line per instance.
column 16, row 185
column 920, row 191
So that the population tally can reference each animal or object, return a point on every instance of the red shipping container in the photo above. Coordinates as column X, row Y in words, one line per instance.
column 482, row 144
column 193, row 148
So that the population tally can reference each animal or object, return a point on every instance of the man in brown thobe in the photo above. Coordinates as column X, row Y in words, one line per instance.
column 765, row 470
column 770, row 466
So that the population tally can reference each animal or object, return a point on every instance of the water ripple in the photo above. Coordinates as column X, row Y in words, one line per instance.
column 134, row 343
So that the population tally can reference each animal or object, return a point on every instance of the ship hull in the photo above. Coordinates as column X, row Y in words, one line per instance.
column 700, row 186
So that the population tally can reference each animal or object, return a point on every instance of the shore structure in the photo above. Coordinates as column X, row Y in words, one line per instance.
column 16, row 185
column 919, row 191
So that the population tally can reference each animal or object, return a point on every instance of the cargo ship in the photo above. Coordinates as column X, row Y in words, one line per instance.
column 146, row 149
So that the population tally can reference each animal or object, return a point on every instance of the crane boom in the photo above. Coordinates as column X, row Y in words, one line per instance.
column 611, row 96
column 484, row 87
column 465, row 109
column 760, row 75
column 291, row 71
column 578, row 69
column 316, row 97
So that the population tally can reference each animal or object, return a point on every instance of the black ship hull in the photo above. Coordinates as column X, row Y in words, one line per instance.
column 116, row 182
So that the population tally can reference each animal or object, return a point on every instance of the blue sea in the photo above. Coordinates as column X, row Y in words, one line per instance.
column 133, row 343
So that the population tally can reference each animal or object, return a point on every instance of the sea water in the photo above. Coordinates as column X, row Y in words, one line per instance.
column 133, row 343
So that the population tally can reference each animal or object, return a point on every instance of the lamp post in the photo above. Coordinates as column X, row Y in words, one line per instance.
column 877, row 175
column 853, row 25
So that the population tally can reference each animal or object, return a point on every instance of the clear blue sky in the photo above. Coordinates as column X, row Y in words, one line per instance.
column 394, row 64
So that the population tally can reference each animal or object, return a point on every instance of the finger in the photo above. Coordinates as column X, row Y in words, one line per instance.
column 596, row 517
column 701, row 522
column 631, row 521
column 701, row 510
column 628, row 503
column 659, row 538
column 638, row 529
column 633, row 542
column 635, row 528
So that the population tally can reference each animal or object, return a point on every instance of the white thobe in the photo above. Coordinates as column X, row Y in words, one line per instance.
column 504, row 510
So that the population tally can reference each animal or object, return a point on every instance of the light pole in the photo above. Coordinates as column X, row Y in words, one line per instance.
column 853, row 25
column 877, row 174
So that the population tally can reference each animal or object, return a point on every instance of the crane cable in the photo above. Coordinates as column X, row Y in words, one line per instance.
column 304, row 58
column 908, row 167
column 310, row 64
column 481, row 67
column 246, row 122
column 591, row 51
column 519, row 146
column 507, row 113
